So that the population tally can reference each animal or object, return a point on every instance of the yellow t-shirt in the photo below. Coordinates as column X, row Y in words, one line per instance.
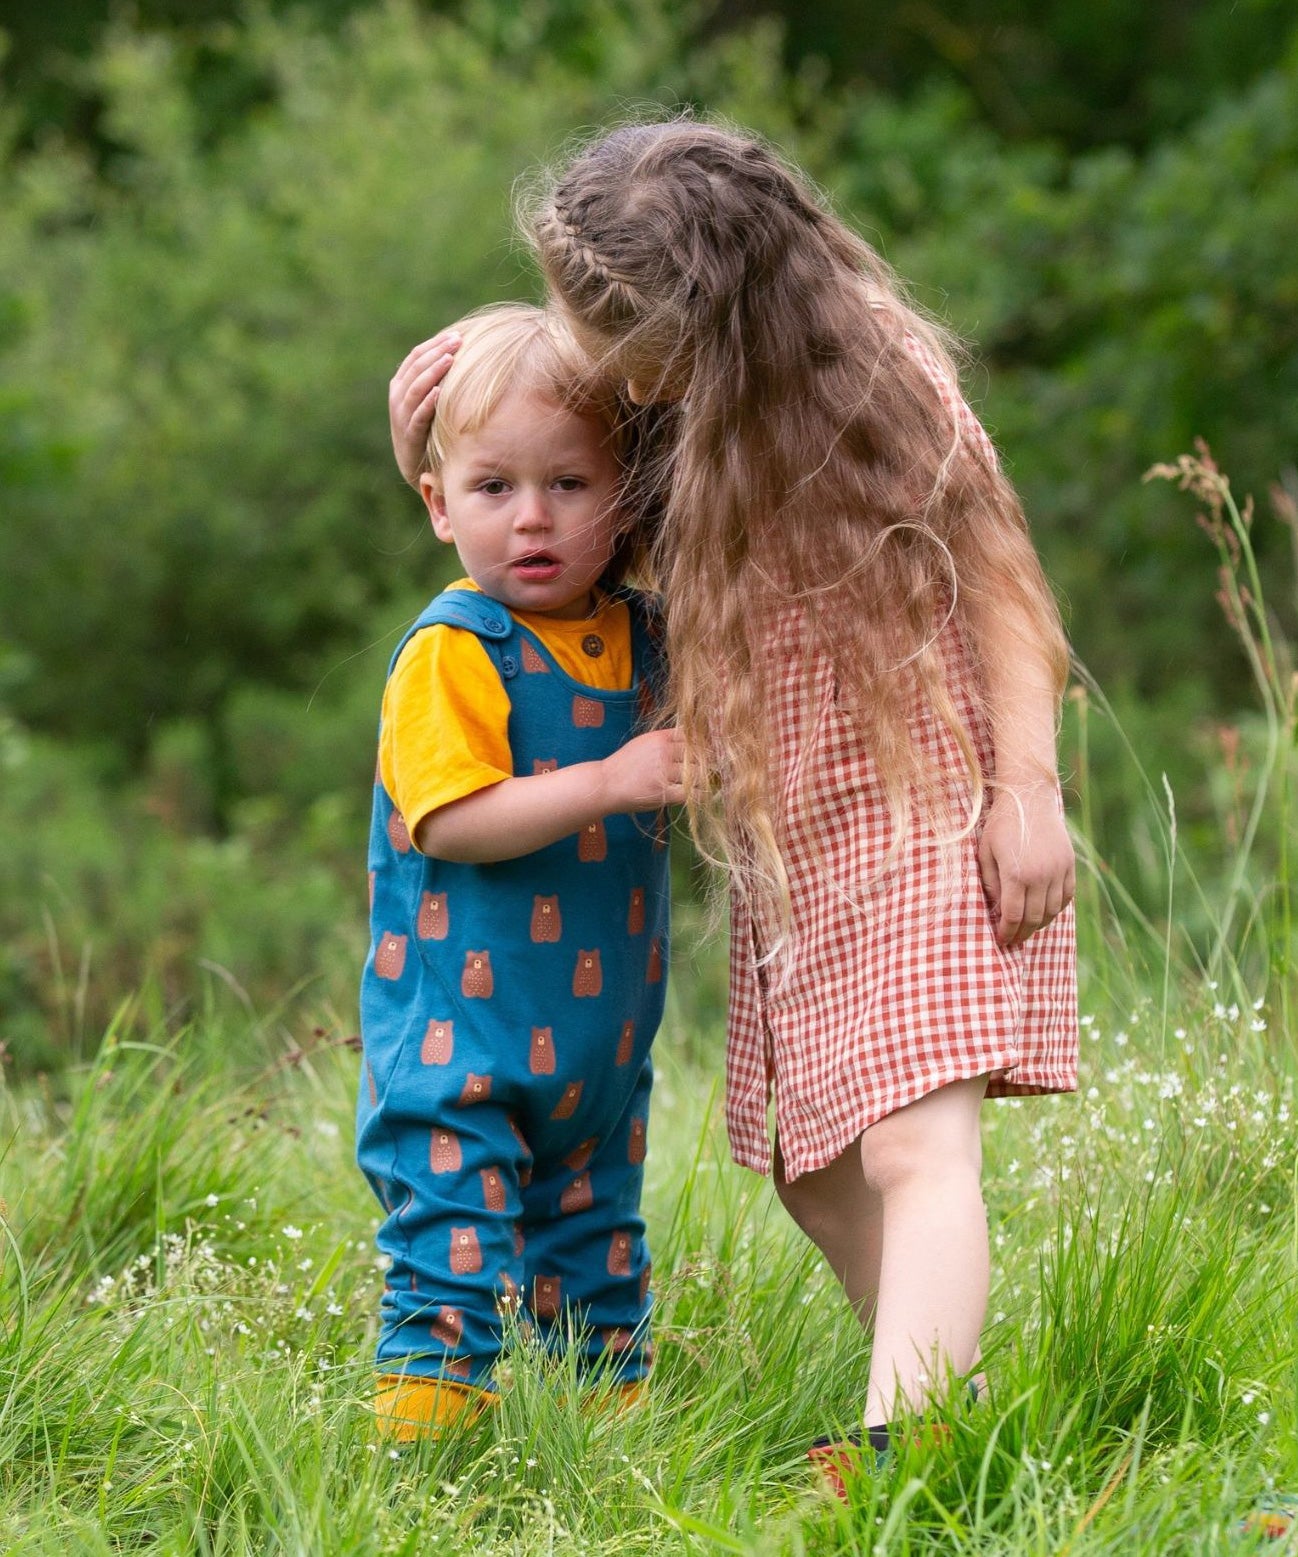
column 444, row 729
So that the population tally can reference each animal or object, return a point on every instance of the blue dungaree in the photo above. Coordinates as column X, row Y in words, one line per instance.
column 507, row 1011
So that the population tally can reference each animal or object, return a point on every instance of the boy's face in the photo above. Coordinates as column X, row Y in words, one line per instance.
column 530, row 502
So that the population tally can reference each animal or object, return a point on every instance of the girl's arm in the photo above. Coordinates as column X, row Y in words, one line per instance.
column 412, row 399
column 519, row 815
column 1025, row 856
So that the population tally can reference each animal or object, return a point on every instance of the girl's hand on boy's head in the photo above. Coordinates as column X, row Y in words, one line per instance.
column 412, row 399
column 646, row 773
column 1026, row 860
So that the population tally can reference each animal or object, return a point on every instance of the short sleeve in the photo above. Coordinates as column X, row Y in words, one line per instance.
column 444, row 730
column 941, row 378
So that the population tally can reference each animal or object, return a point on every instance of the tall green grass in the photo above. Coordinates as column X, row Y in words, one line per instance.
column 188, row 1286
column 189, row 1290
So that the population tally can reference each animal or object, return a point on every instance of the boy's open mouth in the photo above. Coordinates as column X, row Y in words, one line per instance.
column 540, row 564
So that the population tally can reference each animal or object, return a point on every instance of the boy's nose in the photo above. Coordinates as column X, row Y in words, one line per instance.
column 532, row 512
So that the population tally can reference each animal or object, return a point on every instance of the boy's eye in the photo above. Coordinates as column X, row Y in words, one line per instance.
column 570, row 483
column 494, row 487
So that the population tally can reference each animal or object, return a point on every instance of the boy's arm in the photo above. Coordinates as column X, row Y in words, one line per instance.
column 519, row 815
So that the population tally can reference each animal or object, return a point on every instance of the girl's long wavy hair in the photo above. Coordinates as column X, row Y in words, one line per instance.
column 807, row 462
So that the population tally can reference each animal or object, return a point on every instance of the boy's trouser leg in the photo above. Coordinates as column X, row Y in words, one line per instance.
column 586, row 1262
column 452, row 1237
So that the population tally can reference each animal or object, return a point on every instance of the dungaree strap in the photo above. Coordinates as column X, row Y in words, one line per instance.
column 487, row 619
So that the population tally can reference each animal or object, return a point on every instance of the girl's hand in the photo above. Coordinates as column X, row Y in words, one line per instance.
column 1026, row 860
column 412, row 399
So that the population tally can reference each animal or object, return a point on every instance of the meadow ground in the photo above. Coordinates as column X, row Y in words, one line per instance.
column 189, row 1291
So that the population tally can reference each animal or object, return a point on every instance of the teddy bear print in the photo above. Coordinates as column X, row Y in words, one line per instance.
column 619, row 1254
column 518, row 1135
column 645, row 1276
column 493, row 1189
column 476, row 1089
column 625, row 1044
column 547, row 923
column 581, row 1154
column 466, row 1251
column 520, row 1243
column 532, row 661
column 566, row 1107
column 541, row 1059
column 587, row 713
column 635, row 913
column 635, row 1151
column 444, row 1154
column 545, row 765
column 592, row 843
column 390, row 955
column 655, row 971
column 547, row 1292
column 398, row 832
column 617, row 1338
column 476, row 982
column 438, row 1044
column 457, row 1367
column 434, row 922
column 588, row 975
column 448, row 1326
column 578, row 1196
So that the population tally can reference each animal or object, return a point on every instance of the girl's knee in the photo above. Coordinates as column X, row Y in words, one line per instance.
column 933, row 1139
column 891, row 1159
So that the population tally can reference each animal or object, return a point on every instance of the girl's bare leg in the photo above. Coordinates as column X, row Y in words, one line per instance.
column 924, row 1163
column 843, row 1217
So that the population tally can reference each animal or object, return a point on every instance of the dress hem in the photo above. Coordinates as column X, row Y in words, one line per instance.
column 1002, row 1085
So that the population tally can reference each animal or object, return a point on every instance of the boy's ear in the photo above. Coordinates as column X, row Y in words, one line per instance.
column 430, row 489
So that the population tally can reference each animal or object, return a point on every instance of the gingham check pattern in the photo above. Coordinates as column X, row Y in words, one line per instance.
column 954, row 402
column 892, row 983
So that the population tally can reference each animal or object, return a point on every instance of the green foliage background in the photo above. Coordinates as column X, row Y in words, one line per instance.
column 221, row 231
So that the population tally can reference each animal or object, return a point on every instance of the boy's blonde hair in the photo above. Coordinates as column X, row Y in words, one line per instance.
column 516, row 347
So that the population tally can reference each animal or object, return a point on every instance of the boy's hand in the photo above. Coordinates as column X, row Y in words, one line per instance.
column 1026, row 860
column 412, row 399
column 647, row 772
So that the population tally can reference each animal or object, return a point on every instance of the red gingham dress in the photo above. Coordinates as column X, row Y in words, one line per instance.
column 891, row 983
